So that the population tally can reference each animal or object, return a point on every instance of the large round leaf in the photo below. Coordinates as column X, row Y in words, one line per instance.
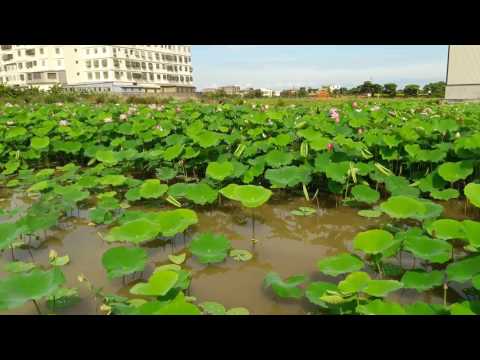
column 422, row 280
column 446, row 229
column 288, row 289
column 121, row 261
column 426, row 248
column 354, row 282
column 373, row 241
column 472, row 192
column 158, row 284
column 316, row 290
column 403, row 207
column 446, row 194
column 454, row 171
column 364, row 193
column 135, row 231
column 200, row 193
column 19, row 288
column 172, row 222
column 277, row 158
column 219, row 170
column 152, row 189
column 210, row 248
column 464, row 270
column 39, row 143
column 472, row 232
column 340, row 264
column 250, row 196
column 381, row 288
column 288, row 176
column 380, row 307
column 9, row 232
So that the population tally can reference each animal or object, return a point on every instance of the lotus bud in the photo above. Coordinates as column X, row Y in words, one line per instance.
column 81, row 278
column 59, row 104
column 63, row 123
column 457, row 135
column 360, row 131
column 354, row 105
column 106, row 308
column 8, row 105
column 10, row 122
column 107, row 120
column 266, row 107
column 52, row 255
column 254, row 106
column 178, row 109
column 330, row 147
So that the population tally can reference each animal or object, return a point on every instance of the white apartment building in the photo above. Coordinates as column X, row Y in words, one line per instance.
column 267, row 92
column 116, row 68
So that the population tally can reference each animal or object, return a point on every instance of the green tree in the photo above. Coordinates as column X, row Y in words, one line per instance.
column 302, row 92
column 411, row 90
column 390, row 89
column 436, row 89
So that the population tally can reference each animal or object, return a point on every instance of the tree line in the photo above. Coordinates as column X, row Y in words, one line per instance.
column 435, row 89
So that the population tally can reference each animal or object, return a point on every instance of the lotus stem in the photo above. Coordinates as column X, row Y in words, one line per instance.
column 30, row 252
column 13, row 252
column 37, row 307
column 253, row 224
column 445, row 288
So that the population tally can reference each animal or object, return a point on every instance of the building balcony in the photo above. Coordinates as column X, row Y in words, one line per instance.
column 6, row 47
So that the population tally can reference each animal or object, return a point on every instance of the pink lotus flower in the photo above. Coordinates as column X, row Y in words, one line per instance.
column 158, row 127
column 178, row 110
column 354, row 105
column 330, row 147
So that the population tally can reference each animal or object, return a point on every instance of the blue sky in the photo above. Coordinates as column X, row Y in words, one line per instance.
column 281, row 67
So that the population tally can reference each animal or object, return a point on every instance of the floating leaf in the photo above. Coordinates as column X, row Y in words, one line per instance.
column 303, row 211
column 250, row 196
column 114, row 180
column 238, row 311
column 19, row 266
column 210, row 248
column 213, row 308
column 446, row 194
column 241, row 255
column 340, row 264
column 135, row 231
column 121, row 261
column 158, row 284
column 364, row 193
column 172, row 222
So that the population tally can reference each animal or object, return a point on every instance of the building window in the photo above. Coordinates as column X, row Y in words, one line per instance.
column 95, row 63
column 89, row 75
column 129, row 75
column 117, row 75
column 76, row 61
column 104, row 63
column 158, row 77
column 37, row 76
column 59, row 62
column 22, row 77
column 51, row 76
column 57, row 50
column 20, row 65
column 78, row 74
column 29, row 76
column 88, row 51
column 105, row 74
column 151, row 77
column 88, row 63
column 97, row 75
column 104, row 50
column 95, row 51
column 19, row 53
column 41, row 51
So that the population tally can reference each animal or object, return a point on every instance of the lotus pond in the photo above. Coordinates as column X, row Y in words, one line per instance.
column 198, row 209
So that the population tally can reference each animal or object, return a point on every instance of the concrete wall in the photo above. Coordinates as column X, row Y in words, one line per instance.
column 463, row 73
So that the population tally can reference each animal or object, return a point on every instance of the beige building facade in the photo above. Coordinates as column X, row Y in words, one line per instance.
column 463, row 73
column 116, row 68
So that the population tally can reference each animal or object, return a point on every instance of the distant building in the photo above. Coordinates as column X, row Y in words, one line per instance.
column 209, row 90
column 231, row 90
column 267, row 92
column 463, row 72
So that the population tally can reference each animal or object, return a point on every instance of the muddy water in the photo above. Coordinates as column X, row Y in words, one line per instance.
column 287, row 244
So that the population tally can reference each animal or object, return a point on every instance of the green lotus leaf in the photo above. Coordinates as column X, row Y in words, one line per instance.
column 9, row 232
column 472, row 193
column 87, row 181
column 400, row 186
column 135, row 231
column 62, row 298
column 464, row 270
column 472, row 232
column 432, row 182
column 421, row 308
column 354, row 282
column 19, row 266
column 446, row 229
column 60, row 260
column 464, row 308
column 237, row 311
column 380, row 307
column 277, row 158
column 432, row 210
column 373, row 241
column 422, row 280
column 166, row 173
column 172, row 222
column 426, row 248
column 210, row 248
column 107, row 157
column 454, row 171
column 159, row 284
column 288, row 289
column 303, row 211
column 240, row 255
column 370, row 213
column 114, row 180
column 177, row 259
column 381, row 288
column 39, row 143
column 133, row 195
column 11, row 167
column 37, row 187
column 152, row 189
column 173, row 152
column 19, row 288
column 121, row 261
column 340, row 264
column 207, row 138
column 178, row 306
column 364, row 193
column 288, row 176
column 446, row 194
column 250, row 196
column 317, row 290
column 476, row 282
column 15, row 132
column 219, row 170
column 338, row 171
column 403, row 207
column 200, row 194
column 213, row 308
